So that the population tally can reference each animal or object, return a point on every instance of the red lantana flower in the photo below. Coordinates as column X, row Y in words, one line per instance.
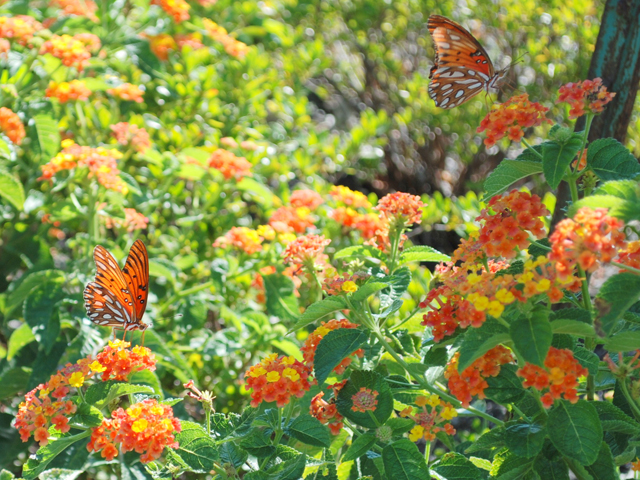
column 401, row 208
column 510, row 118
column 277, row 379
column 589, row 96
column 327, row 411
column 306, row 251
column 306, row 198
column 146, row 427
column 118, row 362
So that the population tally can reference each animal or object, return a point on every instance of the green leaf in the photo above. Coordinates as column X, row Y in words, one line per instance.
column 615, row 297
column 573, row 327
column 257, row 445
column 368, row 289
column 576, row 432
column 361, row 445
column 478, row 341
column 613, row 419
column 626, row 210
column 454, row 466
column 39, row 313
column 11, row 189
column 87, row 416
column 525, row 439
column 48, row 135
column 6, row 475
column 551, row 469
column 232, row 423
column 38, row 462
column 258, row 192
column 494, row 438
column 556, row 158
column 532, row 336
column 422, row 253
column 103, row 393
column 281, row 301
column 29, row 282
column 506, row 174
column 196, row 448
column 319, row 310
column 149, row 378
column 587, row 359
column 374, row 381
column 403, row 461
column 290, row 469
column 230, row 453
column 603, row 468
column 13, row 380
column 626, row 341
column 20, row 337
column 506, row 387
column 309, row 430
column 610, row 160
column 335, row 347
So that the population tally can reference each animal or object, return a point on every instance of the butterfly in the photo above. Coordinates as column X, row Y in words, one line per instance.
column 118, row 298
column 462, row 68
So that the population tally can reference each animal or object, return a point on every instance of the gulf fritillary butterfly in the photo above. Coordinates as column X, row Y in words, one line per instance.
column 462, row 68
column 118, row 298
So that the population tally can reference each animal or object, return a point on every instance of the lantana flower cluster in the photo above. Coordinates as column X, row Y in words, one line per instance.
column 434, row 417
column 290, row 219
column 346, row 283
column 128, row 92
column 230, row 165
column 117, row 362
column 81, row 8
column 511, row 118
column 102, row 164
column 131, row 135
column 74, row 52
column 589, row 96
column 232, row 46
column 133, row 220
column 588, row 239
column 508, row 220
column 147, row 427
column 11, row 125
column 472, row 381
column 364, row 400
column 243, row 238
column 277, row 379
column 306, row 252
column 327, row 411
column 178, row 9
column 313, row 340
column 67, row 91
column 305, row 198
column 559, row 378
column 20, row 28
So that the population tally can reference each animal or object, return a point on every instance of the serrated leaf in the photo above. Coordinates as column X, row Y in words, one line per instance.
column 48, row 135
column 610, row 160
column 422, row 253
column 627, row 341
column 478, row 341
column 556, row 158
column 626, row 210
column 613, row 419
column 403, row 461
column 257, row 445
column 196, row 448
column 532, row 336
column 603, row 468
column 231, row 453
column 37, row 463
column 11, row 190
column 576, row 432
column 319, row 310
column 87, row 416
column 508, row 173
column 506, row 387
column 494, row 438
column 103, row 393
column 335, row 347
column 359, row 447
column 280, row 299
column 615, row 297
column 587, row 359
column 368, row 289
column 309, row 430
column 359, row 251
column 454, row 466
column 373, row 381
column 573, row 327
column 525, row 439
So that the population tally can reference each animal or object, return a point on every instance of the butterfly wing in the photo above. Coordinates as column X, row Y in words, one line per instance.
column 462, row 67
column 136, row 274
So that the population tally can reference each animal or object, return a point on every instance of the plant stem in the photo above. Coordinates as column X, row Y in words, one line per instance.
column 585, row 137
column 535, row 152
column 626, row 267
column 423, row 383
column 632, row 403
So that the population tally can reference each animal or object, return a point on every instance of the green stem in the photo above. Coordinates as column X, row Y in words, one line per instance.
column 539, row 245
column 632, row 403
column 430, row 388
column 585, row 137
column 427, row 452
column 396, row 235
column 626, row 267
column 207, row 416
column 535, row 152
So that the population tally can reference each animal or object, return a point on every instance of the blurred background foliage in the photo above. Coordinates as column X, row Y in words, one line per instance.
column 328, row 92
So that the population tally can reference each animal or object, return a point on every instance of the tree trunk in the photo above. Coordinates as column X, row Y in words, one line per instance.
column 616, row 60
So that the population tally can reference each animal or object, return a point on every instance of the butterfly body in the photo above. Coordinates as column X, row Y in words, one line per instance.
column 462, row 68
column 118, row 298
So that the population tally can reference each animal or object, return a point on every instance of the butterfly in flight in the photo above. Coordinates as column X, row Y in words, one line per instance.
column 118, row 298
column 462, row 67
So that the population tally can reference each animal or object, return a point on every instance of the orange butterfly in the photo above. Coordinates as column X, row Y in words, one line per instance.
column 118, row 298
column 462, row 68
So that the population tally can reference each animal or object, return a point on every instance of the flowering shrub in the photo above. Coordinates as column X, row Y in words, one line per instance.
column 298, row 329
